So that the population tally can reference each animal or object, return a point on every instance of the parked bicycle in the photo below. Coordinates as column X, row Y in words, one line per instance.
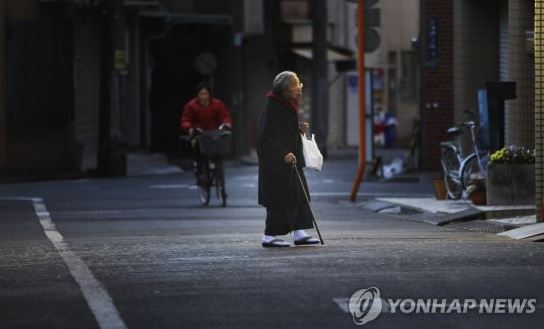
column 460, row 171
column 212, row 145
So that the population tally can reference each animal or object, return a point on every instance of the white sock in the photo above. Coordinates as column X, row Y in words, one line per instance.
column 299, row 234
column 268, row 238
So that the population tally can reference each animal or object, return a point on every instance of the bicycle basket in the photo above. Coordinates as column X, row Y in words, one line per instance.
column 214, row 143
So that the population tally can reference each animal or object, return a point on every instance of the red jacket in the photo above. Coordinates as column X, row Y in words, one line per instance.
column 207, row 118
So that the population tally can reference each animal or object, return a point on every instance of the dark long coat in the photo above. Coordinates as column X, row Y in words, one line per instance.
column 279, row 135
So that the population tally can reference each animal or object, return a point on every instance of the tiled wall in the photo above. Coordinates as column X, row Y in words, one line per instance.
column 539, row 102
column 476, row 44
column 519, row 114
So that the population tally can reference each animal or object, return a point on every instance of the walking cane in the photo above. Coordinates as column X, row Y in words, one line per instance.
column 308, row 201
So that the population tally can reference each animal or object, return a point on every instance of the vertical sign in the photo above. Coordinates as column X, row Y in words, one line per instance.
column 432, row 42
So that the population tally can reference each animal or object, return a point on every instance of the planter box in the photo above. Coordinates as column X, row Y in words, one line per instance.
column 511, row 184
column 479, row 198
column 440, row 189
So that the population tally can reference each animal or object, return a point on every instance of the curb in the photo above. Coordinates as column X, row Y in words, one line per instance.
column 482, row 220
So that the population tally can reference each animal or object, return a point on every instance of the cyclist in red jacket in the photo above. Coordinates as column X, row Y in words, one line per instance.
column 204, row 112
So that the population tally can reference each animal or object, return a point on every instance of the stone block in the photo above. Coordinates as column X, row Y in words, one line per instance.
column 511, row 184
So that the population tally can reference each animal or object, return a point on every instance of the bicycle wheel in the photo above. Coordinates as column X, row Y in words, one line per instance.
column 204, row 189
column 471, row 171
column 221, row 182
column 223, row 197
column 450, row 167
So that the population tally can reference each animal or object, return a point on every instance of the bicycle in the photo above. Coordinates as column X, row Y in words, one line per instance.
column 459, row 171
column 213, row 144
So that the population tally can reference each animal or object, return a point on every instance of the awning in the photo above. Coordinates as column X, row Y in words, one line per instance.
column 189, row 18
column 332, row 54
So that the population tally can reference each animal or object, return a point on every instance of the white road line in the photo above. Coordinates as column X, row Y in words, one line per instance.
column 21, row 199
column 347, row 194
column 168, row 186
column 98, row 299
column 343, row 303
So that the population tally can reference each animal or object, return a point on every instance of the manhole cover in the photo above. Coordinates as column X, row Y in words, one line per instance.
column 479, row 226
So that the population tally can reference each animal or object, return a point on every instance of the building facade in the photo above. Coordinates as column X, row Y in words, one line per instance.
column 481, row 45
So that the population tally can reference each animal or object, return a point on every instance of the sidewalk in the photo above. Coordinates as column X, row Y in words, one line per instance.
column 459, row 213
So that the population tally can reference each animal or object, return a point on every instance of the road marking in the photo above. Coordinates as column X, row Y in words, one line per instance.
column 98, row 299
column 342, row 303
column 247, row 177
column 169, row 186
column 21, row 199
column 208, row 258
column 372, row 194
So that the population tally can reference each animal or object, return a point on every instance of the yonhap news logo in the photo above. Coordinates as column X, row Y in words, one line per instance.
column 366, row 305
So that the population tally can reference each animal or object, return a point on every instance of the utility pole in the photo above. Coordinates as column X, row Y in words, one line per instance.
column 320, row 85
column 362, row 98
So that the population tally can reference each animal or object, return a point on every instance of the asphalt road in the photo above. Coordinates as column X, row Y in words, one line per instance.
column 140, row 252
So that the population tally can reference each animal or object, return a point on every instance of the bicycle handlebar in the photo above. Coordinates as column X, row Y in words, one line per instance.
column 224, row 126
column 469, row 124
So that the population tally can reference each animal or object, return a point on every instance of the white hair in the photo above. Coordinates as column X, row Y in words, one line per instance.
column 282, row 80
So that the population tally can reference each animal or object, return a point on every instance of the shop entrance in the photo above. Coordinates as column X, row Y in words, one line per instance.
column 183, row 57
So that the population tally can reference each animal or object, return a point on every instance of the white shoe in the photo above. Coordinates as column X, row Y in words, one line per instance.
column 302, row 238
column 272, row 241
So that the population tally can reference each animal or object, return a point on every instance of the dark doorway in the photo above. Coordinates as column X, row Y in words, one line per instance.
column 185, row 56
column 40, row 96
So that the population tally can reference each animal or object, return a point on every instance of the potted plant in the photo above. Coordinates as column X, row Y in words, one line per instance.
column 477, row 191
column 511, row 176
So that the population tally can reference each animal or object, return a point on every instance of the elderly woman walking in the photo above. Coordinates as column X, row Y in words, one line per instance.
column 279, row 149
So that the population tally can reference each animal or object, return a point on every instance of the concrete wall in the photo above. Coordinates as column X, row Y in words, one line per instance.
column 337, row 105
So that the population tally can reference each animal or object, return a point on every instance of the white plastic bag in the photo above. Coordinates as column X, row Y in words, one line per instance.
column 312, row 155
column 393, row 169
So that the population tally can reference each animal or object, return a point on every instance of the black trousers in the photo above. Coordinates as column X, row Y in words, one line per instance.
column 280, row 221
